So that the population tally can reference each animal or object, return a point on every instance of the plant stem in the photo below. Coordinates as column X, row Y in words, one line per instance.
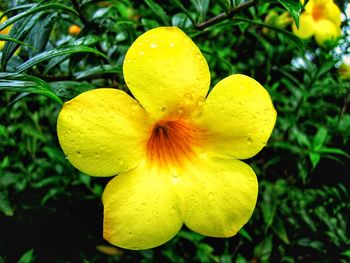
column 81, row 15
column 223, row 16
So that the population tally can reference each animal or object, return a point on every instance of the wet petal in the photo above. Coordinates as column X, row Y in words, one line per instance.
column 140, row 209
column 306, row 26
column 166, row 71
column 103, row 132
column 239, row 117
column 219, row 196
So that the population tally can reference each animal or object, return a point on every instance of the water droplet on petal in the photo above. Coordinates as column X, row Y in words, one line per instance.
column 142, row 53
column 153, row 45
column 172, row 44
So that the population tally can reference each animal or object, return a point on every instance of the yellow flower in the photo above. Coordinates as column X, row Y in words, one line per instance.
column 4, row 31
column 321, row 19
column 277, row 20
column 175, row 151
column 74, row 30
column 344, row 71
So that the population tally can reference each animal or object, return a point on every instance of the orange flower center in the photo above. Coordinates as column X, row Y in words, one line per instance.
column 318, row 12
column 172, row 142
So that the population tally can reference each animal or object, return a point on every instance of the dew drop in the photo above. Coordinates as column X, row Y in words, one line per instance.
column 172, row 44
column 142, row 53
column 153, row 45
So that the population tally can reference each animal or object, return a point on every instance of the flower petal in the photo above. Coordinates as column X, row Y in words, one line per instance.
column 306, row 26
column 238, row 116
column 166, row 71
column 219, row 196
column 103, row 132
column 140, row 209
column 326, row 31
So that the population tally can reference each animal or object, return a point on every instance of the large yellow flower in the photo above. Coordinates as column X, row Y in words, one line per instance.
column 321, row 19
column 174, row 149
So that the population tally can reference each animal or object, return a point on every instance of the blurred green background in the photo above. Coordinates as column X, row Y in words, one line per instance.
column 50, row 212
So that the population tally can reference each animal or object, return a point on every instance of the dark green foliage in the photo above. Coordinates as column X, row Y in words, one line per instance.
column 50, row 212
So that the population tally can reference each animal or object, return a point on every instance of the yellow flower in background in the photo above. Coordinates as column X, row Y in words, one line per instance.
column 273, row 18
column 175, row 149
column 344, row 71
column 74, row 30
column 321, row 19
column 4, row 31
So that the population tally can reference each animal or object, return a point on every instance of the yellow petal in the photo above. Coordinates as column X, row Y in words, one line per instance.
column 326, row 31
column 166, row 71
column 333, row 13
column 219, row 196
column 103, row 132
column 238, row 116
column 306, row 26
column 140, row 209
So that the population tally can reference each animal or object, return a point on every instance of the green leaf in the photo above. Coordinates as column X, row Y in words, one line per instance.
column 25, row 83
column 27, row 257
column 20, row 30
column 334, row 151
column 11, row 39
column 224, row 4
column 263, row 250
column 184, row 10
column 314, row 158
column 55, row 53
column 99, row 71
column 346, row 253
column 201, row 7
column 36, row 9
column 244, row 233
column 69, row 89
column 293, row 7
column 320, row 138
column 5, row 205
column 159, row 11
column 40, row 34
column 280, row 229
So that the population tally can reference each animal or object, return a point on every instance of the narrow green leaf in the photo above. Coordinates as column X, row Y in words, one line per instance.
column 11, row 39
column 159, row 11
column 27, row 257
column 36, row 9
column 25, row 83
column 98, row 70
column 293, row 7
column 280, row 230
column 40, row 34
column 334, row 151
column 244, row 233
column 55, row 53
column 320, row 138
column 20, row 30
column 69, row 89
column 314, row 158
column 5, row 205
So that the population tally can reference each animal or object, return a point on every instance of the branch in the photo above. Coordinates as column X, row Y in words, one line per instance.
column 223, row 16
